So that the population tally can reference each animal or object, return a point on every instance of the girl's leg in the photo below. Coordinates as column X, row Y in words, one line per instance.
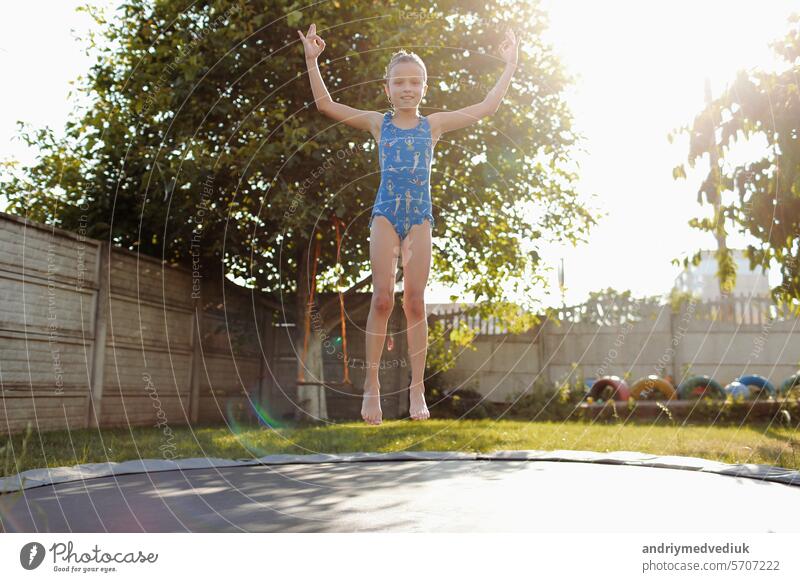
column 416, row 268
column 384, row 249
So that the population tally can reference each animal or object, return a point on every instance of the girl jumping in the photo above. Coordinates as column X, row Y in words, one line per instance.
column 402, row 217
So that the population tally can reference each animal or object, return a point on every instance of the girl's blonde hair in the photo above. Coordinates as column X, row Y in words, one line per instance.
column 403, row 56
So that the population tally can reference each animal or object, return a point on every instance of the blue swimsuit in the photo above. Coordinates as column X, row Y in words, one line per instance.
column 404, row 196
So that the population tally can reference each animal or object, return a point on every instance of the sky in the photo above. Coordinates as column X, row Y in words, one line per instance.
column 640, row 69
column 40, row 71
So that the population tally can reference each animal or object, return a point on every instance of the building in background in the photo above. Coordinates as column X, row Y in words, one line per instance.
column 702, row 279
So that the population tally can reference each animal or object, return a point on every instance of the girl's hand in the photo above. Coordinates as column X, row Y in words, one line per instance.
column 508, row 48
column 312, row 43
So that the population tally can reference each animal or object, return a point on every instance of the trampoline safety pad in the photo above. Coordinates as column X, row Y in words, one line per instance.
column 504, row 491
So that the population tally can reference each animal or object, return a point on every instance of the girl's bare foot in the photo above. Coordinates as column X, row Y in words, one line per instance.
column 417, row 408
column 371, row 405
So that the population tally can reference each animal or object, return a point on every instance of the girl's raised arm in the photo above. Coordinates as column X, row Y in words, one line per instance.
column 358, row 118
column 443, row 121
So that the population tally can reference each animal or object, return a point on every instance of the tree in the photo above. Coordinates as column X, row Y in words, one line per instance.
column 201, row 137
column 765, row 201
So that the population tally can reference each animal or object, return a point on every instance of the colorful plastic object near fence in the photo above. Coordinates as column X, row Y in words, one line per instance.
column 737, row 390
column 614, row 384
column 699, row 386
column 759, row 382
column 645, row 386
column 792, row 381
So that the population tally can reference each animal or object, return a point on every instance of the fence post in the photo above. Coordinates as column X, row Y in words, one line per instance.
column 267, row 358
column 194, row 364
column 544, row 367
column 674, row 358
column 94, row 412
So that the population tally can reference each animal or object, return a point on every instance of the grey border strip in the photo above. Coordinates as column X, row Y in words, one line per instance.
column 43, row 477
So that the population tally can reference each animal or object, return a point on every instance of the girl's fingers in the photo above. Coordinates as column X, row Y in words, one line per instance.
column 512, row 37
column 311, row 38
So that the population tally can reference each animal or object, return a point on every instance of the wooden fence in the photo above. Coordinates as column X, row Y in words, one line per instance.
column 95, row 336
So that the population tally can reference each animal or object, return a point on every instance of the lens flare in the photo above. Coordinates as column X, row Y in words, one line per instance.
column 240, row 415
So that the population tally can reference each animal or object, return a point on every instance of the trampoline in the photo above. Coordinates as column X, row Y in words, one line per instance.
column 504, row 491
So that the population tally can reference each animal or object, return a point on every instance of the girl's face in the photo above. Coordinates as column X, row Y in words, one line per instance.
column 406, row 85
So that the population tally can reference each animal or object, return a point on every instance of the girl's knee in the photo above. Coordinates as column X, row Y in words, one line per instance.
column 414, row 304
column 382, row 302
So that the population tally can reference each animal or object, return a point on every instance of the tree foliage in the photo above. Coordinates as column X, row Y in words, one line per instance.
column 765, row 201
column 201, row 137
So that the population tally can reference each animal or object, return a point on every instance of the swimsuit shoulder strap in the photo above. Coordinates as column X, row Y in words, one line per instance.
column 386, row 126
column 424, row 125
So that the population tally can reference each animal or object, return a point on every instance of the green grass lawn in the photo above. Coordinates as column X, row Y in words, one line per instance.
column 755, row 443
